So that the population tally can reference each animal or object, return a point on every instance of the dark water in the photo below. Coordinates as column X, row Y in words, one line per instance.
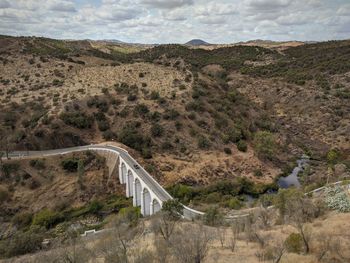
column 292, row 179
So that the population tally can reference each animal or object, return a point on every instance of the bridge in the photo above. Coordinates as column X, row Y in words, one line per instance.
column 146, row 192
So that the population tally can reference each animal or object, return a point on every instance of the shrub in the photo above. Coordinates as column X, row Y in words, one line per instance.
column 213, row 217
column 131, row 137
column 294, row 243
column 154, row 95
column 9, row 168
column 258, row 173
column 70, row 165
column 103, row 125
column 21, row 243
column 130, row 215
column 77, row 119
column 227, row 150
column 264, row 144
column 109, row 135
column 337, row 199
column 37, row 164
column 4, row 195
column 157, row 130
column 203, row 142
column 47, row 218
column 242, row 146
column 23, row 219
column 141, row 109
column 234, row 203
column 132, row 97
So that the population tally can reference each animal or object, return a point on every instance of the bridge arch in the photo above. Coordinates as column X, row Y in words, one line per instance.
column 129, row 183
column 137, row 192
column 155, row 206
column 146, row 202
column 123, row 172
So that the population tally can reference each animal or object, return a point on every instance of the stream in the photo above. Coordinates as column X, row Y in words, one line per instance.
column 292, row 179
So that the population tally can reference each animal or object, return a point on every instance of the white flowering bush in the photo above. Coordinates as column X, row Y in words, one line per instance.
column 337, row 199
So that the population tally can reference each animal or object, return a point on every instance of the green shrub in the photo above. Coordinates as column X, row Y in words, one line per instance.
column 141, row 109
column 154, row 95
column 23, row 219
column 37, row 164
column 47, row 218
column 203, row 142
column 70, row 165
column 131, row 137
column 109, row 135
column 242, row 146
column 130, row 215
column 9, row 168
column 213, row 217
column 157, row 130
column 21, row 243
column 4, row 195
column 77, row 119
column 234, row 203
column 258, row 173
column 294, row 243
column 227, row 150
column 264, row 144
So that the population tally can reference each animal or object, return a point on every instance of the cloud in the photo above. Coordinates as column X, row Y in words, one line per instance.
column 344, row 10
column 4, row 4
column 267, row 5
column 215, row 8
column 167, row 4
column 165, row 21
column 61, row 6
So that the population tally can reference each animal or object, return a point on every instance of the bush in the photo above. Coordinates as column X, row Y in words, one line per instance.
column 132, row 97
column 47, row 218
column 213, row 217
column 21, row 243
column 130, row 215
column 203, row 142
column 337, row 199
column 234, row 203
column 157, row 130
column 227, row 150
column 141, row 109
column 258, row 173
column 264, row 144
column 77, row 119
column 70, row 165
column 294, row 243
column 9, row 168
column 242, row 146
column 23, row 219
column 131, row 137
column 154, row 95
column 4, row 195
column 37, row 164
column 109, row 135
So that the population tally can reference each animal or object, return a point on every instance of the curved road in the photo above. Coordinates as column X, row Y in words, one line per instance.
column 153, row 185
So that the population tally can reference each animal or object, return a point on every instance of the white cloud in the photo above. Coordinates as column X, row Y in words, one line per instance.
column 164, row 21
column 61, row 6
column 166, row 4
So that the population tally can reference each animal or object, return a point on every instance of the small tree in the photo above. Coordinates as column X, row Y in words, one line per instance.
column 265, row 144
column 191, row 243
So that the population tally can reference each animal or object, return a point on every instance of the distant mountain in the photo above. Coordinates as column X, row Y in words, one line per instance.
column 197, row 42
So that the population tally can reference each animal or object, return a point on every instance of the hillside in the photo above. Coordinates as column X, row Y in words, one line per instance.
column 178, row 106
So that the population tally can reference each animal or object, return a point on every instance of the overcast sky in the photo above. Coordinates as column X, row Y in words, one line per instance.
column 177, row 21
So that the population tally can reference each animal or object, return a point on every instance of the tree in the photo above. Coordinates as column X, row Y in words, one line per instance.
column 164, row 222
column 190, row 244
column 265, row 144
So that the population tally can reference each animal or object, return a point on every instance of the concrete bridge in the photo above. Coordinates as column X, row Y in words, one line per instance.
column 146, row 192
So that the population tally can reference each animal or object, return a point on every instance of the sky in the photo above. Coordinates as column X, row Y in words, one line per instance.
column 177, row 21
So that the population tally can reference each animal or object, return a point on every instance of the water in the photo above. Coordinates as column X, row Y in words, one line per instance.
column 292, row 179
